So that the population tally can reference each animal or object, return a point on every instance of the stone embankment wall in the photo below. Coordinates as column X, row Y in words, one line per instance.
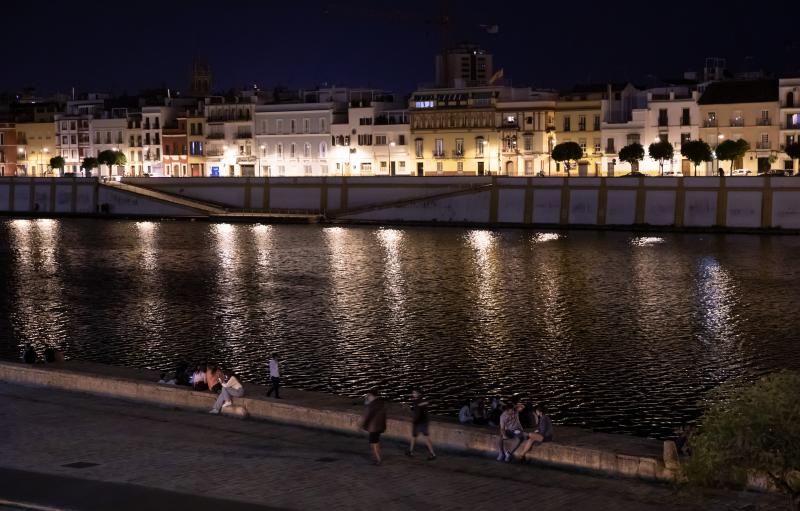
column 732, row 203
column 573, row 449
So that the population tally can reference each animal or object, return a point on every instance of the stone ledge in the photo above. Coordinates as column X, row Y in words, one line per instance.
column 335, row 416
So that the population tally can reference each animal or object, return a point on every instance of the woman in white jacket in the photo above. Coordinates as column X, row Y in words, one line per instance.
column 231, row 387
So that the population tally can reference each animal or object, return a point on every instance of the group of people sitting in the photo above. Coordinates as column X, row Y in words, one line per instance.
column 512, row 418
column 50, row 353
column 211, row 377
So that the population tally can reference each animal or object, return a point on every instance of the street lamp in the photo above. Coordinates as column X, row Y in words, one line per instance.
column 391, row 170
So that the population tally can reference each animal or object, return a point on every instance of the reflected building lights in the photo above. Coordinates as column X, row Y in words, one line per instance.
column 544, row 237
column 646, row 241
column 391, row 240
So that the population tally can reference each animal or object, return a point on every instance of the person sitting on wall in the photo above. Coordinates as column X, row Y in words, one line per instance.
column 478, row 410
column 49, row 354
column 543, row 432
column 29, row 356
column 231, row 388
column 198, row 379
column 213, row 374
column 495, row 411
column 165, row 380
column 465, row 414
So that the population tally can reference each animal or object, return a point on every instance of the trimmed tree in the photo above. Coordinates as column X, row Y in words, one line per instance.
column 696, row 151
column 793, row 152
column 632, row 154
column 566, row 152
column 755, row 432
column 89, row 163
column 58, row 162
column 111, row 158
column 732, row 150
column 661, row 151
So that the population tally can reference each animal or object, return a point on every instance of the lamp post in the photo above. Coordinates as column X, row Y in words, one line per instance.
column 391, row 170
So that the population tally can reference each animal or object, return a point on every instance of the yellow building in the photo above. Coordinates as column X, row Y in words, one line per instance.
column 577, row 119
column 196, row 129
column 746, row 109
column 493, row 130
column 36, row 144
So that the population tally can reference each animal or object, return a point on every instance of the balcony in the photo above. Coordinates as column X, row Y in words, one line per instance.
column 763, row 146
column 611, row 150
column 710, row 123
column 440, row 155
column 510, row 125
column 763, row 121
column 685, row 121
column 215, row 136
column 737, row 122
column 663, row 121
column 458, row 155
column 243, row 135
column 791, row 126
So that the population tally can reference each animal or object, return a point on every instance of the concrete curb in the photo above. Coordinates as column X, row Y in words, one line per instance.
column 444, row 435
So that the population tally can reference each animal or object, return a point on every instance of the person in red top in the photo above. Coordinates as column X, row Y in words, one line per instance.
column 374, row 423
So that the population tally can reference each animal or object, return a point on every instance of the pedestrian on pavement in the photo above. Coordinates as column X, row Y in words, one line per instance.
column 510, row 429
column 274, row 376
column 374, row 423
column 231, row 387
column 419, row 423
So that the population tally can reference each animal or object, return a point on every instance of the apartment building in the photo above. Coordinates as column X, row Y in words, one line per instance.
column 229, row 149
column 8, row 149
column 525, row 121
column 789, row 117
column 373, row 137
column 294, row 138
column 74, row 133
column 746, row 109
column 672, row 116
column 175, row 144
column 36, row 134
column 578, row 119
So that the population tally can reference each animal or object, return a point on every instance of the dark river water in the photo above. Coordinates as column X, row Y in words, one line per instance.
column 615, row 331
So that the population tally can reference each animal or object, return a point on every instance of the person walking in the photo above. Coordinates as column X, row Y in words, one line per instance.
column 374, row 423
column 419, row 423
column 274, row 376
column 231, row 387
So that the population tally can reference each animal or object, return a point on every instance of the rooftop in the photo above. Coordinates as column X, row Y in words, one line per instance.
column 740, row 91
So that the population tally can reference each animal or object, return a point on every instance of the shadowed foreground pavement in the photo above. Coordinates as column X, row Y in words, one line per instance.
column 72, row 451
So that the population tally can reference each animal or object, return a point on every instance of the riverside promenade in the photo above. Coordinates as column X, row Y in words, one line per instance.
column 67, row 450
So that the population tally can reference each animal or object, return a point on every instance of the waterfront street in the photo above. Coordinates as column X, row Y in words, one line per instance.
column 156, row 458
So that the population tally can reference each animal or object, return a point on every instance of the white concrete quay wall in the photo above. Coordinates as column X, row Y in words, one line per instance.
column 443, row 434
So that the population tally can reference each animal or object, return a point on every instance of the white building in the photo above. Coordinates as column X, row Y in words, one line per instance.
column 672, row 116
column 294, row 139
column 373, row 138
column 789, row 114
column 107, row 132
column 230, row 147
column 524, row 119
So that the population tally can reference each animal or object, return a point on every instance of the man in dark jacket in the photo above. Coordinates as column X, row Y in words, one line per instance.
column 419, row 423
column 374, row 423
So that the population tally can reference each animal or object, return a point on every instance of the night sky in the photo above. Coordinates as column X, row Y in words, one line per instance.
column 127, row 46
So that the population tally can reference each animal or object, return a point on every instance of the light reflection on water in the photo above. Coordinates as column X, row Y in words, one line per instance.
column 614, row 331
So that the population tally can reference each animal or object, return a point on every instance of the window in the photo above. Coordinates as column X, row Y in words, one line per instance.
column 764, row 142
column 365, row 121
column 663, row 119
column 528, row 167
column 279, row 126
column 566, row 123
column 527, row 141
column 439, row 166
column 685, row 137
column 439, row 148
column 323, row 150
column 663, row 137
column 158, row 153
column 459, row 147
column 610, row 146
column 460, row 167
column 418, row 147
column 292, row 150
column 685, row 117
column 582, row 143
column 596, row 123
column 633, row 138
column 480, row 144
column 279, row 150
column 366, row 168
column 365, row 140
column 307, row 170
column 292, row 126
column 380, row 139
column 2, row 138
column 306, row 125
column 306, row 150
column 401, row 140
column 166, row 150
column 596, row 145
column 581, row 123
column 424, row 104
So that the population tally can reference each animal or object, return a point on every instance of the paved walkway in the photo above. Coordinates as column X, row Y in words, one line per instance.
column 129, row 454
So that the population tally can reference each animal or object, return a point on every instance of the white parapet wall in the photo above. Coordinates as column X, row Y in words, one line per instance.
column 736, row 203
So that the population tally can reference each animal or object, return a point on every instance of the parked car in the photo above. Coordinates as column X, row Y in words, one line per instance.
column 741, row 172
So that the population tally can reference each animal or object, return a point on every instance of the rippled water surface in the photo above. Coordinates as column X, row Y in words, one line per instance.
column 616, row 331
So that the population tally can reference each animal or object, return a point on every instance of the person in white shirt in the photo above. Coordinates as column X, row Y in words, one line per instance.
column 274, row 376
column 465, row 414
column 231, row 387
